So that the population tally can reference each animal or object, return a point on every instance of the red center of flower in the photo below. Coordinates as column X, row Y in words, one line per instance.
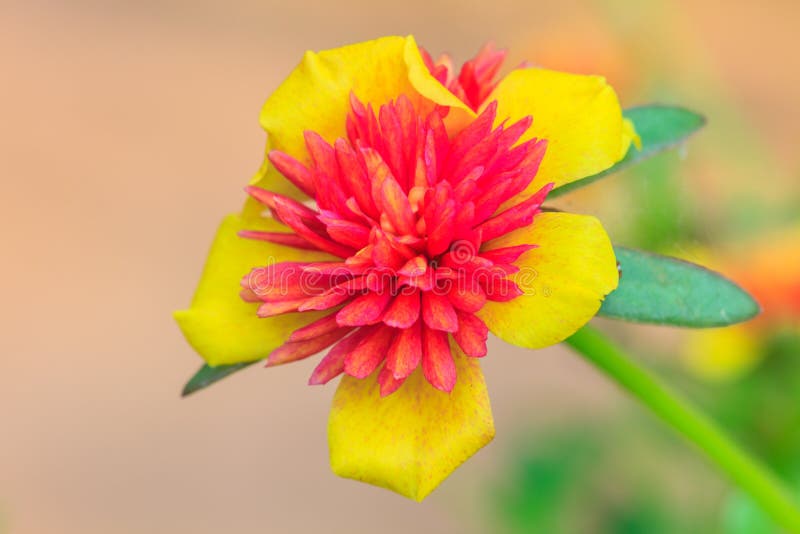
column 411, row 213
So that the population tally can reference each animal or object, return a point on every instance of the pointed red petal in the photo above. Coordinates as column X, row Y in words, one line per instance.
column 315, row 329
column 283, row 281
column 438, row 312
column 467, row 295
column 281, row 238
column 472, row 334
column 516, row 217
column 364, row 310
column 330, row 298
column 368, row 354
column 437, row 361
column 441, row 229
column 332, row 365
column 506, row 254
column 388, row 382
column 279, row 307
column 388, row 194
column 293, row 170
column 405, row 353
column 393, row 141
column 354, row 176
column 404, row 309
column 500, row 289
column 293, row 351
column 345, row 232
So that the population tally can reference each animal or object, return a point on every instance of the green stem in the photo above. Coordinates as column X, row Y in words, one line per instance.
column 745, row 471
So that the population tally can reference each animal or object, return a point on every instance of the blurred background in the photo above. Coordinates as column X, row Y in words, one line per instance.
column 128, row 131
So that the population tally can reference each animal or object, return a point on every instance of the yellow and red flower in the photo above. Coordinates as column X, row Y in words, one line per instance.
column 395, row 222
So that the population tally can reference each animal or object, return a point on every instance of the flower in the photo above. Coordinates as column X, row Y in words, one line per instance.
column 404, row 224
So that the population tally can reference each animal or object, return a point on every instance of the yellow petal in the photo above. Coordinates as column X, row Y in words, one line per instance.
column 219, row 325
column 579, row 116
column 460, row 114
column 564, row 280
column 410, row 441
column 316, row 96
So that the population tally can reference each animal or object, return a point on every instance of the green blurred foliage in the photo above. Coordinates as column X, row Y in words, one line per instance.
column 629, row 475
column 597, row 478
column 762, row 410
column 661, row 211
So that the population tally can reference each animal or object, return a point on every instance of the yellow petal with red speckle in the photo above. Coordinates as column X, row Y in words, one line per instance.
column 411, row 440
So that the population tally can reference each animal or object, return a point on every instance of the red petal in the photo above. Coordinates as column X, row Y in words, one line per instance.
column 389, row 384
column 429, row 160
column 405, row 353
column 279, row 307
column 315, row 329
column 283, row 281
column 345, row 232
column 364, row 310
column 516, row 217
column 441, row 229
column 385, row 253
column 500, row 289
column 438, row 312
column 411, row 127
column 467, row 295
column 293, row 170
column 249, row 296
column 472, row 334
column 293, row 221
column 354, row 175
column 281, row 238
column 335, row 268
column 404, row 309
column 368, row 354
column 330, row 298
column 506, row 254
column 470, row 137
column 425, row 281
column 293, row 351
column 437, row 361
column 389, row 195
column 279, row 202
column 332, row 365
column 393, row 141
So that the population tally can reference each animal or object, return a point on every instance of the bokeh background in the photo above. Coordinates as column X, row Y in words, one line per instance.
column 128, row 130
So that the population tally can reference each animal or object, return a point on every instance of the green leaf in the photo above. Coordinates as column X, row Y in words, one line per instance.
column 663, row 290
column 659, row 127
column 207, row 375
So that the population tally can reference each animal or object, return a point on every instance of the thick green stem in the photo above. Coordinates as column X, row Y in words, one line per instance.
column 745, row 471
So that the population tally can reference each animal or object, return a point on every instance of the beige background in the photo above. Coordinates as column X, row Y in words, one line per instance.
column 127, row 131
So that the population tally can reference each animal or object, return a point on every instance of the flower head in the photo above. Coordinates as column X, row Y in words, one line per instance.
column 411, row 213
column 404, row 225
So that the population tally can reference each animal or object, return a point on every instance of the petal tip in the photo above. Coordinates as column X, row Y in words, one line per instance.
column 412, row 440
